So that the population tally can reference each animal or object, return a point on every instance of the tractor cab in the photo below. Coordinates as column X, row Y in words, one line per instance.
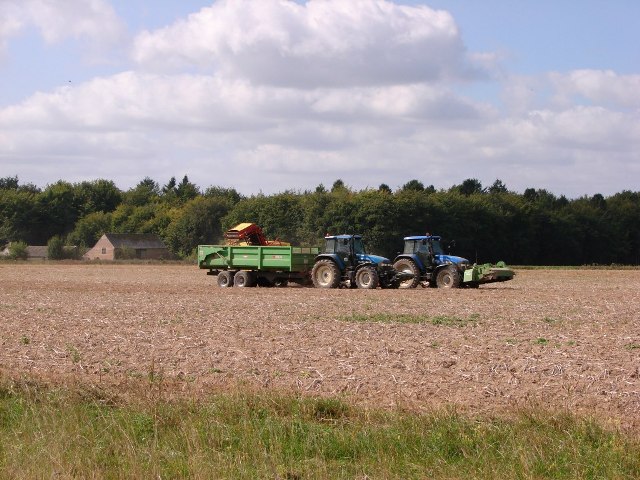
column 349, row 250
column 428, row 251
column 425, row 248
column 344, row 244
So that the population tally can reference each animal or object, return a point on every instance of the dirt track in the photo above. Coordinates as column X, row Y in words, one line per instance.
column 560, row 338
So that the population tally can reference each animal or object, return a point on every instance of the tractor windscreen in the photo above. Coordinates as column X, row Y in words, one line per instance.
column 358, row 246
column 437, row 247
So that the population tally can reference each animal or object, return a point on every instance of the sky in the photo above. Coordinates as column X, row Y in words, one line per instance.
column 272, row 95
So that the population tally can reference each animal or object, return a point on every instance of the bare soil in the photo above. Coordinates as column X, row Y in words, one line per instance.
column 557, row 338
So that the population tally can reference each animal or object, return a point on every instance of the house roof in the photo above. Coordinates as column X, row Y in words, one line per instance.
column 37, row 251
column 135, row 240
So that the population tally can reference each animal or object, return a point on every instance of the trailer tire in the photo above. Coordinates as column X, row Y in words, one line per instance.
column 225, row 279
column 244, row 278
column 409, row 266
column 448, row 277
column 325, row 274
column 367, row 278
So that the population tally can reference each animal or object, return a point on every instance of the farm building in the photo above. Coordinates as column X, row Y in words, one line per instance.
column 112, row 246
column 34, row 252
column 37, row 252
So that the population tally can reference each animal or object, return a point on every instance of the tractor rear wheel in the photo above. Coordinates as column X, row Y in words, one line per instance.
column 367, row 277
column 448, row 277
column 225, row 279
column 243, row 279
column 325, row 274
column 408, row 266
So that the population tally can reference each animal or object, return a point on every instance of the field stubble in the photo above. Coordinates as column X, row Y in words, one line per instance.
column 562, row 339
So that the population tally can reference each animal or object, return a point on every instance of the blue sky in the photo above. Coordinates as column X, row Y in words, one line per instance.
column 268, row 95
column 539, row 36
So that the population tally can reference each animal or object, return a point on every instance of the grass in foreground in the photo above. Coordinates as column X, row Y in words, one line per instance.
column 62, row 434
column 443, row 320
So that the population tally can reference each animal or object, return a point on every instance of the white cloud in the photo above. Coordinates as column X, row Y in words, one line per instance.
column 562, row 90
column 95, row 20
column 403, row 102
column 10, row 22
column 603, row 87
column 521, row 93
column 216, row 103
column 320, row 43
column 591, row 128
column 297, row 138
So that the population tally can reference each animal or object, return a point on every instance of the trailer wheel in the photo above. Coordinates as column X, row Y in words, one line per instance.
column 225, row 279
column 243, row 279
column 325, row 274
column 448, row 277
column 409, row 266
column 367, row 277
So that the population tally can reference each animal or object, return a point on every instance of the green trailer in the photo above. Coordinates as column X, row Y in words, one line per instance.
column 250, row 265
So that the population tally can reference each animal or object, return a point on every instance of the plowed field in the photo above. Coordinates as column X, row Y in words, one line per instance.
column 560, row 338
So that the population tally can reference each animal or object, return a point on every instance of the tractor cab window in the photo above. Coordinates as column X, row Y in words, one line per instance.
column 330, row 246
column 423, row 247
column 358, row 246
column 437, row 247
column 409, row 246
column 343, row 246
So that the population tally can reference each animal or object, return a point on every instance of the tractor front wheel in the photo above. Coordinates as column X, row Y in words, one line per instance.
column 407, row 265
column 325, row 274
column 448, row 277
column 367, row 278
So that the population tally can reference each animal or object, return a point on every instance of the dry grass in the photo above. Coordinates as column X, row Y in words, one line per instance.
column 557, row 338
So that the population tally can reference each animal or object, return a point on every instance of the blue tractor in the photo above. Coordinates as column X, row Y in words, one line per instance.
column 345, row 262
column 425, row 260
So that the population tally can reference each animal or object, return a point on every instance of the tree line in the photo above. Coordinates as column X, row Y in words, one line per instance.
column 488, row 223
